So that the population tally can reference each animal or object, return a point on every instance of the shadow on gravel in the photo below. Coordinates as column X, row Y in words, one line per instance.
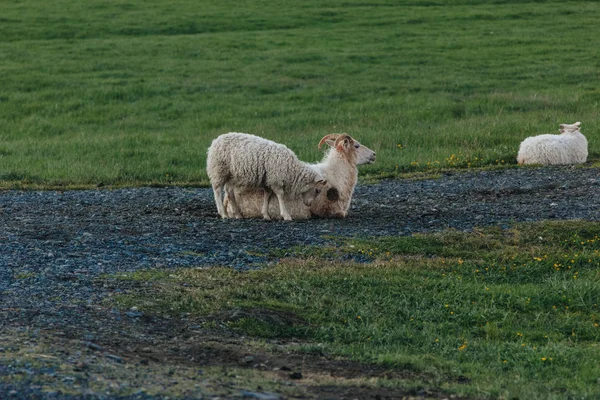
column 106, row 353
column 315, row 375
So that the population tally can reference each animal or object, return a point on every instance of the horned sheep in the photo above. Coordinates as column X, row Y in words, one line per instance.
column 570, row 147
column 248, row 161
column 338, row 167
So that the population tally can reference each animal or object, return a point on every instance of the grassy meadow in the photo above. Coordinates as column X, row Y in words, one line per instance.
column 492, row 313
column 132, row 92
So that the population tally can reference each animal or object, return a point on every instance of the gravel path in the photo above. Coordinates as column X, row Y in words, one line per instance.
column 54, row 244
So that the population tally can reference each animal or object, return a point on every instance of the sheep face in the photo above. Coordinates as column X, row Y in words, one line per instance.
column 570, row 128
column 364, row 155
column 310, row 193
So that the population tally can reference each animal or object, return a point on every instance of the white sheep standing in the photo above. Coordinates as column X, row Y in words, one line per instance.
column 248, row 161
column 338, row 167
column 570, row 147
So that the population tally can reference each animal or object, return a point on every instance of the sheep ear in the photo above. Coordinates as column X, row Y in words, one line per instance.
column 333, row 194
column 345, row 140
column 329, row 140
column 577, row 124
column 562, row 126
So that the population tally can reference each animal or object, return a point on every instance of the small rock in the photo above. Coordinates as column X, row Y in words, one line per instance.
column 134, row 314
column 261, row 396
column 296, row 375
column 80, row 366
column 113, row 357
column 93, row 346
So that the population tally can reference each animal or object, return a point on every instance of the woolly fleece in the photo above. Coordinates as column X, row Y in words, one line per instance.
column 338, row 167
column 570, row 147
column 240, row 160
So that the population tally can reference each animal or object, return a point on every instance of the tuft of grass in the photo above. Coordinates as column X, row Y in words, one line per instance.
column 25, row 275
column 133, row 94
column 513, row 312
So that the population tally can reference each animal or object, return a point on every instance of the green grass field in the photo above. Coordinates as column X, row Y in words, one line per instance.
column 133, row 92
column 514, row 311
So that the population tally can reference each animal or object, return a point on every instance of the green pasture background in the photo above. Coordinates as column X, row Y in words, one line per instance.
column 131, row 92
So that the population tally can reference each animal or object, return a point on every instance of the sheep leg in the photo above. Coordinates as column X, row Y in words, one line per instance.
column 282, row 208
column 226, row 205
column 237, row 213
column 217, row 189
column 265, row 206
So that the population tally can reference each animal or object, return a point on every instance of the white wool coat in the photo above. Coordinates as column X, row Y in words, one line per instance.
column 338, row 167
column 570, row 147
column 244, row 160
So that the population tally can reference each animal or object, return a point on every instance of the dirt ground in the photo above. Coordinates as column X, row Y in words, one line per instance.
column 60, row 339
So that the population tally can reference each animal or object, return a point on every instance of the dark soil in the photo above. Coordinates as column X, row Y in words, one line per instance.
column 56, row 247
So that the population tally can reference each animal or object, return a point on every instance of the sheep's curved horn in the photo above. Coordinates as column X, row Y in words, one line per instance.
column 331, row 136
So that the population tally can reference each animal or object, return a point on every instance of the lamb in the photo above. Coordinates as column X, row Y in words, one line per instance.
column 248, row 161
column 338, row 167
column 570, row 147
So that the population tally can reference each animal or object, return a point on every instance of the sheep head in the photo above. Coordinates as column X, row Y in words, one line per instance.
column 310, row 193
column 566, row 128
column 354, row 152
column 327, row 204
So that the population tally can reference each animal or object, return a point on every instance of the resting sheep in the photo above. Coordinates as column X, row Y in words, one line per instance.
column 570, row 147
column 338, row 167
column 248, row 161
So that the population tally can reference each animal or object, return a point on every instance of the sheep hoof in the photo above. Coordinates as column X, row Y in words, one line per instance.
column 237, row 215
